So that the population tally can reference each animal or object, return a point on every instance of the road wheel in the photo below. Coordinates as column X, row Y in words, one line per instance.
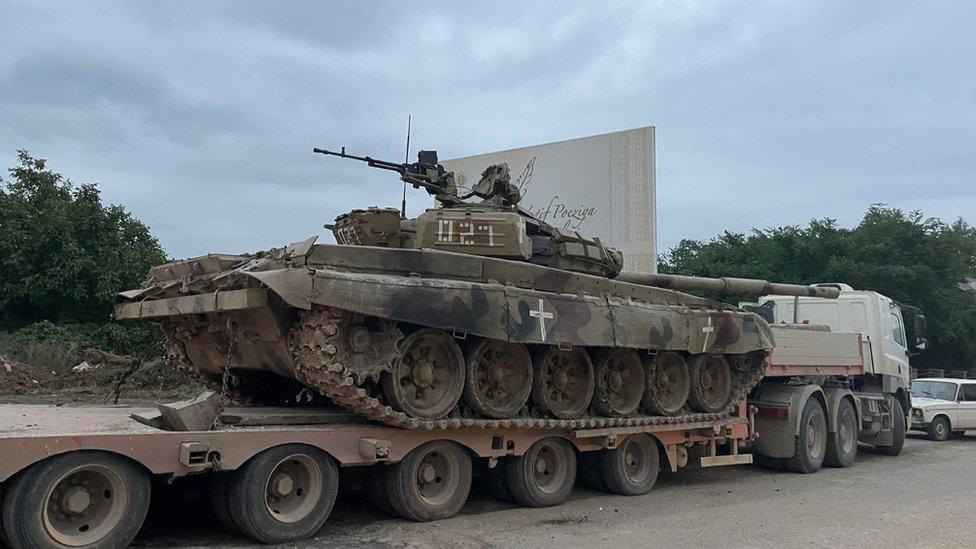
column 376, row 490
column 77, row 499
column 711, row 383
column 939, row 429
column 631, row 468
column 220, row 501
column 842, row 446
column 545, row 475
column 428, row 378
column 498, row 379
column 562, row 382
column 589, row 471
column 497, row 485
column 898, row 426
column 432, row 481
column 285, row 493
column 811, row 443
column 668, row 383
column 618, row 382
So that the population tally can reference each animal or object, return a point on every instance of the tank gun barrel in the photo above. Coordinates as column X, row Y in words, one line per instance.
column 727, row 285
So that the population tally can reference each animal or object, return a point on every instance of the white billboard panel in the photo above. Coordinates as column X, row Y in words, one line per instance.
column 603, row 186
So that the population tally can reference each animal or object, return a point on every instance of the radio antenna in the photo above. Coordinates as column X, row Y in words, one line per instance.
column 406, row 160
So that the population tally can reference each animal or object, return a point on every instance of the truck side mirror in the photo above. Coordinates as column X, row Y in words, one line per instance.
column 920, row 344
column 919, row 327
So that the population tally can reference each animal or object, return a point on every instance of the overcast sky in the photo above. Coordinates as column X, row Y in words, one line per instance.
column 200, row 117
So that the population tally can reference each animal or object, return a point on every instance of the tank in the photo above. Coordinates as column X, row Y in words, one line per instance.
column 475, row 313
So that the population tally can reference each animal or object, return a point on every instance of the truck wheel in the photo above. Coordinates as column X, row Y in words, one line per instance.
column 495, row 477
column 811, row 443
column 589, row 471
column 545, row 475
column 432, row 482
column 77, row 499
column 220, row 501
column 711, row 384
column 631, row 468
column 4, row 541
column 897, row 430
column 285, row 493
column 376, row 489
column 939, row 429
column 842, row 446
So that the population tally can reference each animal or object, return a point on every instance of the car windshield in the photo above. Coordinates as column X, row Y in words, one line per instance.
column 934, row 389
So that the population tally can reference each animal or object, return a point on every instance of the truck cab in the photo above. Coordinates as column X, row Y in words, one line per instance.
column 876, row 317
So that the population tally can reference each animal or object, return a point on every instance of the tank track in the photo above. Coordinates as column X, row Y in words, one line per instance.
column 314, row 352
column 176, row 356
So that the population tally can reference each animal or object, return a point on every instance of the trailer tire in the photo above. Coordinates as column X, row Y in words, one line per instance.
column 95, row 477
column 432, row 464
column 545, row 475
column 842, row 446
column 811, row 442
column 495, row 478
column 631, row 468
column 285, row 493
column 939, row 429
column 376, row 490
column 897, row 430
column 220, row 501
column 589, row 470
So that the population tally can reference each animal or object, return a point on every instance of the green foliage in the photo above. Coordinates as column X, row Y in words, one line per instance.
column 914, row 260
column 65, row 254
column 61, row 346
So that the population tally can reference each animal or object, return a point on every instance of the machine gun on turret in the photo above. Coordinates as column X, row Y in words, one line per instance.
column 425, row 173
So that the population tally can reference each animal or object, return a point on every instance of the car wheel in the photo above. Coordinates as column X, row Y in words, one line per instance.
column 939, row 429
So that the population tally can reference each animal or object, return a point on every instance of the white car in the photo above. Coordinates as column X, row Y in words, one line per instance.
column 942, row 407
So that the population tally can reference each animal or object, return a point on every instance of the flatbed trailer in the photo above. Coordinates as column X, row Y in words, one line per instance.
column 106, row 454
column 79, row 475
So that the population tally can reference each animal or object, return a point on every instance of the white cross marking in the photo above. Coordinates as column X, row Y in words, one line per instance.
column 542, row 315
column 707, row 330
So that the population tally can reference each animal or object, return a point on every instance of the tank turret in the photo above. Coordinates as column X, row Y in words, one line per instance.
column 727, row 285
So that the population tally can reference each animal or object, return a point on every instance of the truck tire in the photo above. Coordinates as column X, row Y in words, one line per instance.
column 4, row 542
column 939, row 429
column 631, row 468
column 545, row 475
column 589, row 472
column 285, row 493
column 431, row 482
column 376, row 490
column 220, row 501
column 811, row 442
column 101, row 499
column 897, row 431
column 842, row 444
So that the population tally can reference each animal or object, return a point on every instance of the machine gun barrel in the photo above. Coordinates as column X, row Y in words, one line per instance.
column 372, row 162
column 727, row 285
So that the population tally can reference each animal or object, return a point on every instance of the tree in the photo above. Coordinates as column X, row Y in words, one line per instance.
column 914, row 260
column 64, row 254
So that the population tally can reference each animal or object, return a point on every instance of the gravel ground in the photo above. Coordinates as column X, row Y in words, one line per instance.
column 926, row 497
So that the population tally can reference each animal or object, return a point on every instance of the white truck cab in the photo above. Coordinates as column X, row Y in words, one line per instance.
column 876, row 317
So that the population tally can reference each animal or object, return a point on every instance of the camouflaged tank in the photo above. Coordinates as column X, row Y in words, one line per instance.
column 473, row 314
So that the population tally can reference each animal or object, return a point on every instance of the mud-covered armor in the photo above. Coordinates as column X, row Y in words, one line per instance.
column 473, row 314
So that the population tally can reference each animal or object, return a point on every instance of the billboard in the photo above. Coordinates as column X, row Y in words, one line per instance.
column 602, row 185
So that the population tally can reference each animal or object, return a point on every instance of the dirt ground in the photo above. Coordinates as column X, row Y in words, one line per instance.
column 925, row 497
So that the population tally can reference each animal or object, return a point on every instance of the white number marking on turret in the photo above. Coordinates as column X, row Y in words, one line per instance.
column 542, row 315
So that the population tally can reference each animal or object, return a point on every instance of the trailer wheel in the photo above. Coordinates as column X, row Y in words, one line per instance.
column 285, row 493
column 497, row 486
column 939, row 429
column 631, row 468
column 77, row 499
column 432, row 482
column 842, row 446
column 220, row 501
column 376, row 489
column 545, row 475
column 811, row 443
column 589, row 473
column 897, row 430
